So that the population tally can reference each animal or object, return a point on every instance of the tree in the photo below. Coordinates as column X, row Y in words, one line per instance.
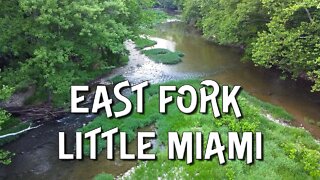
column 228, row 22
column 283, row 34
column 51, row 43
column 5, row 92
column 292, row 40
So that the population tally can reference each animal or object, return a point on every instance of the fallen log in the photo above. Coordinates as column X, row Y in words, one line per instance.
column 36, row 113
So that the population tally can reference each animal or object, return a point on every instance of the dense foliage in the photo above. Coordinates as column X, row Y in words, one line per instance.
column 292, row 40
column 284, row 34
column 5, row 92
column 53, row 44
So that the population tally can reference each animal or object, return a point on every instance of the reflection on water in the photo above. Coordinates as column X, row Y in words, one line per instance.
column 223, row 65
column 37, row 150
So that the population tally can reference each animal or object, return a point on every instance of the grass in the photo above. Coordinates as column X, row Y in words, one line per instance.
column 164, row 56
column 289, row 153
column 129, row 125
column 142, row 43
column 103, row 176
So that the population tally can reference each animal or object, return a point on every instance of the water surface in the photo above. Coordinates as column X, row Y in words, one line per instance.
column 37, row 150
column 224, row 65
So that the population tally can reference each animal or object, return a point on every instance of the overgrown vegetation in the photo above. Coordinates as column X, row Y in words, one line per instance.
column 283, row 34
column 128, row 125
column 12, row 125
column 6, row 122
column 158, row 55
column 52, row 45
column 142, row 43
column 164, row 56
column 289, row 152
column 154, row 17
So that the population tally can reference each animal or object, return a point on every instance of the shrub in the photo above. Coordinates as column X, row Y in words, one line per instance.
column 308, row 157
column 5, row 157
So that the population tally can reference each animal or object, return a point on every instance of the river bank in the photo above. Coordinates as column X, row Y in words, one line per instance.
column 36, row 151
column 289, row 152
column 269, row 120
column 224, row 65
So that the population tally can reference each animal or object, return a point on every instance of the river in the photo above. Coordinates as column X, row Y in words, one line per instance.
column 37, row 151
column 224, row 65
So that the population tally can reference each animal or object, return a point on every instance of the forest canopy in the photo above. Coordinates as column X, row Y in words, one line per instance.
column 283, row 34
column 53, row 44
column 50, row 45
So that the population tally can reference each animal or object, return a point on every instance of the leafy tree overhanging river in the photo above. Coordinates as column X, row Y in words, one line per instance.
column 37, row 150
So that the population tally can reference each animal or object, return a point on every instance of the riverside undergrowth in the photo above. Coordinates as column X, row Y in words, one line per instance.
column 288, row 152
column 164, row 56
column 158, row 55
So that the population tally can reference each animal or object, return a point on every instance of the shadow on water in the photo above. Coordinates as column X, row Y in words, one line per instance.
column 37, row 151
